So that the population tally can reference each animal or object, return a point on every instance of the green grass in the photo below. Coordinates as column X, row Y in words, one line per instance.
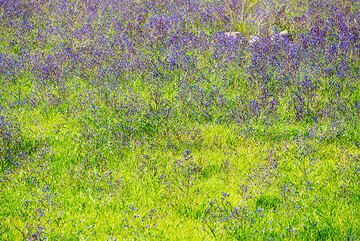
column 259, row 180
column 280, row 184
column 193, row 153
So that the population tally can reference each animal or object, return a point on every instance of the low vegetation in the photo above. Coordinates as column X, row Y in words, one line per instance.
column 143, row 120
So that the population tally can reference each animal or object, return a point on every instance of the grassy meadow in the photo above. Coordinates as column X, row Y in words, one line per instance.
column 164, row 120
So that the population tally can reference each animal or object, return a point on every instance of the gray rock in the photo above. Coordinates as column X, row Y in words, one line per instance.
column 233, row 34
column 253, row 39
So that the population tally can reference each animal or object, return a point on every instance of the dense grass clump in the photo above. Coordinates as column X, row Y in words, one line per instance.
column 179, row 120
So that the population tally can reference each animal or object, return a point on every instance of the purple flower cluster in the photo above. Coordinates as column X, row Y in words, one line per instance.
column 191, row 58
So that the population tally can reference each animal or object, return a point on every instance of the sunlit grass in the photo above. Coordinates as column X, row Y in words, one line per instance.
column 143, row 121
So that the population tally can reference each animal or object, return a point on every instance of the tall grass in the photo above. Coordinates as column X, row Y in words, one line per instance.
column 146, row 120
